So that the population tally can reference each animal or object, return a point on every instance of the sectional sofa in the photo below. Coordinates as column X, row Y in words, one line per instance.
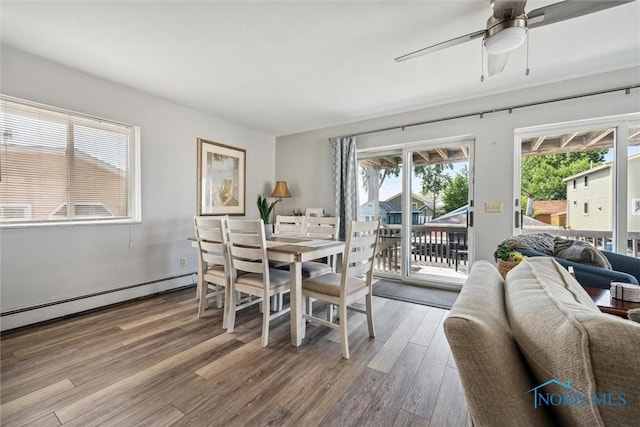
column 534, row 350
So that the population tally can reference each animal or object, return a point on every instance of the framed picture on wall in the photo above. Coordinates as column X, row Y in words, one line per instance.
column 221, row 179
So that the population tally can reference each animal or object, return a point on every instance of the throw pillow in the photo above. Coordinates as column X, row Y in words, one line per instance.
column 577, row 251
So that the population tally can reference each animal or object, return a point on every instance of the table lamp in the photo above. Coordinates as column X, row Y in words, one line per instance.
column 281, row 191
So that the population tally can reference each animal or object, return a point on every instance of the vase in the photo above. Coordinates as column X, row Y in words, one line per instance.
column 505, row 266
column 268, row 231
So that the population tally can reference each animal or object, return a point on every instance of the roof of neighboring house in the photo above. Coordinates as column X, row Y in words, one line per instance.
column 598, row 168
column 417, row 196
column 390, row 206
column 413, row 196
column 549, row 207
column 459, row 216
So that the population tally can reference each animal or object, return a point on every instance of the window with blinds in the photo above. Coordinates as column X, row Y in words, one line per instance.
column 58, row 166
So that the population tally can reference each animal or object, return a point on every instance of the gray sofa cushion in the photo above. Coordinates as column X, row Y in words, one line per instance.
column 564, row 337
column 578, row 251
column 492, row 371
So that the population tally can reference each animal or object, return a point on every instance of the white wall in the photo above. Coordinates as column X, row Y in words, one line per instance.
column 45, row 264
column 303, row 159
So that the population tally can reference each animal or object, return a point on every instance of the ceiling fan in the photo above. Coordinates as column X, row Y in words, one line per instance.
column 508, row 25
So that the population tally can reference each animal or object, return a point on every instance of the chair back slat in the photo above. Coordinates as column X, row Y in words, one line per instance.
column 213, row 253
column 287, row 225
column 212, row 244
column 247, row 247
column 248, row 266
column 325, row 227
column 210, row 234
column 244, row 238
column 360, row 250
column 360, row 256
column 358, row 270
column 248, row 253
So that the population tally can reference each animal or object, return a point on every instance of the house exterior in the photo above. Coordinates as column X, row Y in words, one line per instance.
column 553, row 212
column 390, row 210
column 25, row 196
column 589, row 196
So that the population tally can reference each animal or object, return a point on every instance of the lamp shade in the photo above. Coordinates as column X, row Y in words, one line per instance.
column 281, row 190
column 506, row 40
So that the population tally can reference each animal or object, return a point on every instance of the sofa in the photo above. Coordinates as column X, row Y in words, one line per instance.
column 534, row 350
column 623, row 269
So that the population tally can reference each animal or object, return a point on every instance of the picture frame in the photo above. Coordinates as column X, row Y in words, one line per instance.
column 221, row 179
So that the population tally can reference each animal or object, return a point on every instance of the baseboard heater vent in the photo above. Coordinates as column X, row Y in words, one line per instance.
column 95, row 294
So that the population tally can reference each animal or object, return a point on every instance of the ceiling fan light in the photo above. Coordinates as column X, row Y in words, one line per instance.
column 506, row 40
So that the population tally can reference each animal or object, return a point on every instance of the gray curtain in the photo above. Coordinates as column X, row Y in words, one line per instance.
column 345, row 185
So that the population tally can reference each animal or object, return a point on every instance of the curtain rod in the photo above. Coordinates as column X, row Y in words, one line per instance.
column 627, row 90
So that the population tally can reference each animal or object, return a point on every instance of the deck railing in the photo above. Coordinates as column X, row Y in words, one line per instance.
column 434, row 244
column 446, row 246
column 600, row 239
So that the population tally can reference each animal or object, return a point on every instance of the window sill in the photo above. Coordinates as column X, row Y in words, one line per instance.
column 19, row 225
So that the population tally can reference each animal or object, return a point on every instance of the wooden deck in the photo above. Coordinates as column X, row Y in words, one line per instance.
column 152, row 362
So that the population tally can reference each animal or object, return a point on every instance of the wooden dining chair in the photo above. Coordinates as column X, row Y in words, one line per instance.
column 248, row 254
column 323, row 227
column 352, row 283
column 289, row 225
column 214, row 263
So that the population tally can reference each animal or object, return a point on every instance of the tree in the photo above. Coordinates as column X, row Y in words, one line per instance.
column 542, row 175
column 367, row 174
column 434, row 180
column 456, row 193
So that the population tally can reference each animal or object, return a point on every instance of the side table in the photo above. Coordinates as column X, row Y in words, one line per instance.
column 606, row 304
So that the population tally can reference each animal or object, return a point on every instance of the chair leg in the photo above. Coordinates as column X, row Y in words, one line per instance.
column 276, row 302
column 202, row 296
column 265, row 327
column 308, row 303
column 231, row 320
column 226, row 307
column 344, row 332
column 368, row 301
column 218, row 296
column 329, row 312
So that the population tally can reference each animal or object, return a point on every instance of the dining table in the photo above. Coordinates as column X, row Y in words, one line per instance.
column 295, row 250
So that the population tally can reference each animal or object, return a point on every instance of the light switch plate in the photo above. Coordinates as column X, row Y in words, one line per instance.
column 493, row 207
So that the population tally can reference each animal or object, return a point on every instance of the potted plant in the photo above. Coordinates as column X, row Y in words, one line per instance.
column 507, row 259
column 265, row 210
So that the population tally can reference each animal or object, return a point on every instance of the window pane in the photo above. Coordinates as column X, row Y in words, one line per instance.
column 566, row 185
column 34, row 165
column 62, row 166
column 633, row 189
column 100, row 172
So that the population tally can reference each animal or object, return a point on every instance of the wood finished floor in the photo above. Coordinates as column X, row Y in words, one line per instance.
column 153, row 363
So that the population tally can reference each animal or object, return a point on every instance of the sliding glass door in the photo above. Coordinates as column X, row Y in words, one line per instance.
column 421, row 193
column 582, row 181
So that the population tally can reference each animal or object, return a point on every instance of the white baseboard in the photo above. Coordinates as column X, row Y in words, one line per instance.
column 56, row 310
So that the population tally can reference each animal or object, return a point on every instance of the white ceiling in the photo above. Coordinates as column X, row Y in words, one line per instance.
column 291, row 66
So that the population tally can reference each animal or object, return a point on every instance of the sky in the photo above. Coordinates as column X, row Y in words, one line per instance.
column 393, row 185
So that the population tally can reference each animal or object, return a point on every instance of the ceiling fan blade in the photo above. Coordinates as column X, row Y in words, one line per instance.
column 440, row 46
column 496, row 63
column 507, row 9
column 568, row 9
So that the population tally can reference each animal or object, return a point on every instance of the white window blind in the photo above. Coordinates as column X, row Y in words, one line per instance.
column 61, row 166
